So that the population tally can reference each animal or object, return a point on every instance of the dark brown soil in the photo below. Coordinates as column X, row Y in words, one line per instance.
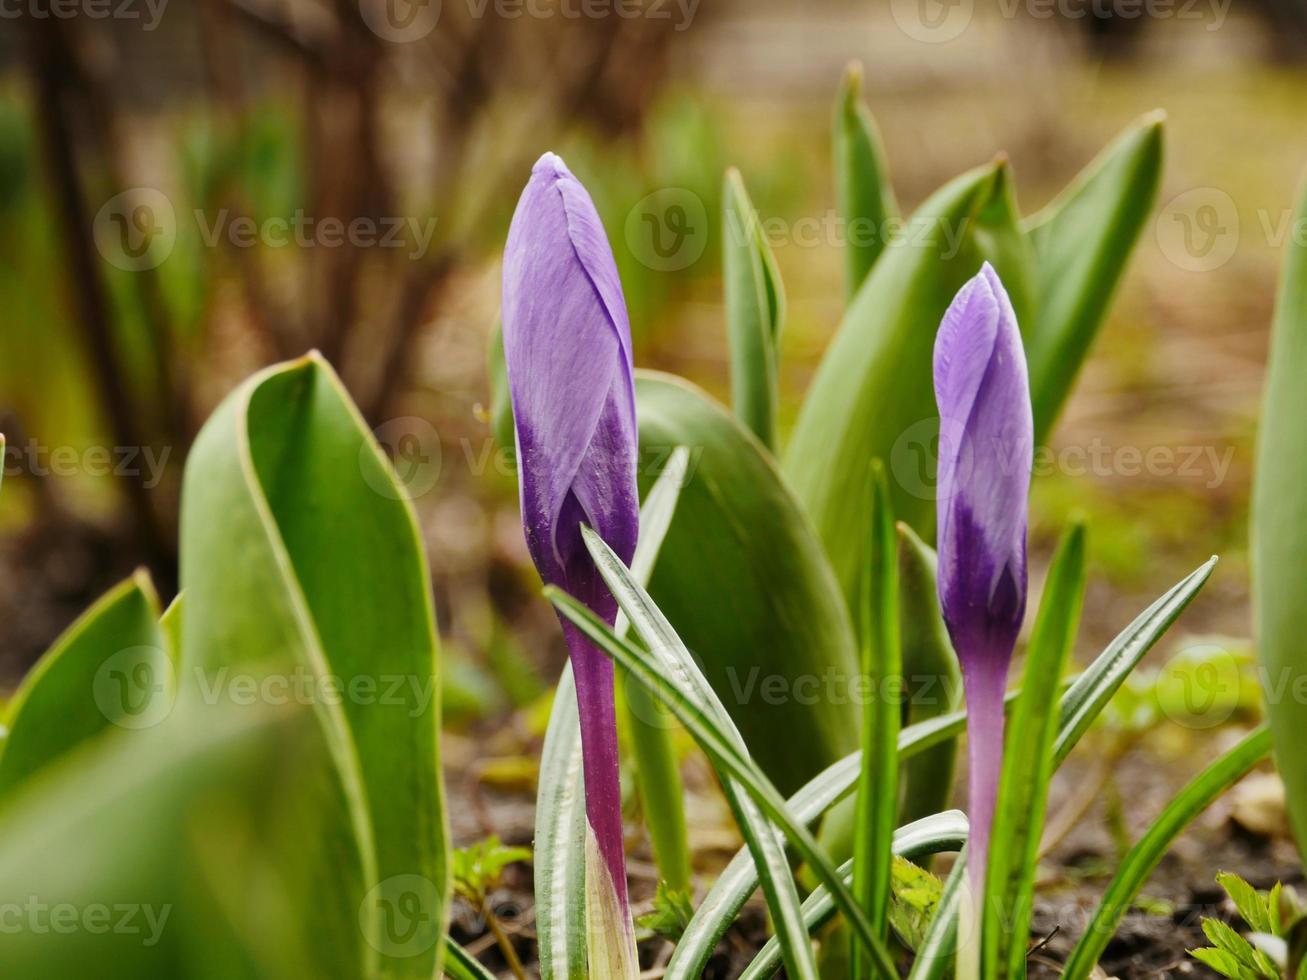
column 1151, row 942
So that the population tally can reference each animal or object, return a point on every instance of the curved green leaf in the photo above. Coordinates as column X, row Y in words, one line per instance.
column 1082, row 242
column 1279, row 529
column 1198, row 795
column 872, row 395
column 866, row 198
column 170, row 857
column 780, row 623
column 110, row 670
column 302, row 565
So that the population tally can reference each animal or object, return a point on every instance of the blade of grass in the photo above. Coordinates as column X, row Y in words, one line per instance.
column 657, row 774
column 462, row 965
column 878, row 781
column 668, row 653
column 930, row 835
column 1028, row 766
column 754, row 309
column 1199, row 794
column 866, row 199
column 936, row 953
column 560, row 842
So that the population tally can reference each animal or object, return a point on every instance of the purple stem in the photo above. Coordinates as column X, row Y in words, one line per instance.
column 985, row 680
column 593, row 672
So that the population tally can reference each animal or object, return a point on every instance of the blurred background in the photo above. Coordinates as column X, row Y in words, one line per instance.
column 191, row 189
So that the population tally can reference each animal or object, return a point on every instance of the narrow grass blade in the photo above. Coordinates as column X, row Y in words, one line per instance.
column 1028, row 764
column 936, row 953
column 462, row 965
column 693, row 701
column 560, row 831
column 1089, row 694
column 866, row 198
column 754, row 309
column 648, row 723
column 1200, row 793
column 882, row 667
column 931, row 835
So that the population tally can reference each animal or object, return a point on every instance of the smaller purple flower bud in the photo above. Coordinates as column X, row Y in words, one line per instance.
column 986, row 452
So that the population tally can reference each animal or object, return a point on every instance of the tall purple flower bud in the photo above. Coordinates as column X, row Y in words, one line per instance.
column 567, row 345
column 986, row 450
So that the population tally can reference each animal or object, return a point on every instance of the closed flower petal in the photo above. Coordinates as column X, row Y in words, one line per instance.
column 986, row 451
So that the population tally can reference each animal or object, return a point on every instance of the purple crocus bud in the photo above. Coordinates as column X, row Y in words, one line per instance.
column 986, row 450
column 567, row 345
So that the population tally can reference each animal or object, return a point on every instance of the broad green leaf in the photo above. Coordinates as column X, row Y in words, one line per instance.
column 866, row 199
column 1144, row 857
column 670, row 672
column 1028, row 763
column 932, row 835
column 183, row 851
column 882, row 666
column 931, row 669
column 755, row 309
column 872, row 395
column 109, row 671
column 746, row 582
column 303, row 569
column 1082, row 242
column 1279, row 529
column 916, row 897
column 560, row 826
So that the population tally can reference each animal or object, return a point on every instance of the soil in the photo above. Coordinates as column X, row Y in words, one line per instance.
column 1152, row 941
